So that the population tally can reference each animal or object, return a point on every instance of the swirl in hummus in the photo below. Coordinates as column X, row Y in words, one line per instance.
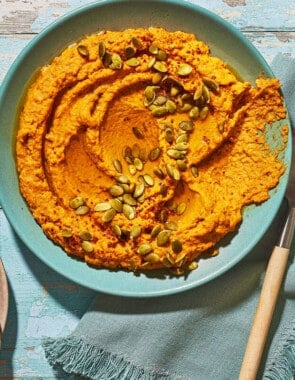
column 137, row 149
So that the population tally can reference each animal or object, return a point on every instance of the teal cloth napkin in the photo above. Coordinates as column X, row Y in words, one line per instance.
column 198, row 334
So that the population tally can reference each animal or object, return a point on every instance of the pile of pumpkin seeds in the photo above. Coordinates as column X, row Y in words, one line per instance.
column 164, row 95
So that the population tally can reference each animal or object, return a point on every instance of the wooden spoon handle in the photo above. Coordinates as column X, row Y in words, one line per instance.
column 264, row 312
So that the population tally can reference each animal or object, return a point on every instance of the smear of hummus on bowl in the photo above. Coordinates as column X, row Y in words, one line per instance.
column 137, row 149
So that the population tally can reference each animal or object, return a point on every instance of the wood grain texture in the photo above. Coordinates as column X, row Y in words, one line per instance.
column 41, row 301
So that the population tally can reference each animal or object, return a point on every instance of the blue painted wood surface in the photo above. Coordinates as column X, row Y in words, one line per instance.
column 43, row 303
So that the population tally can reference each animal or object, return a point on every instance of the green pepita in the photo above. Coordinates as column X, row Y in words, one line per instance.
column 116, row 204
column 67, row 233
column 128, row 211
column 184, row 70
column 160, row 66
column 156, row 229
column 87, row 246
column 117, row 230
column 195, row 171
column 108, row 215
column 76, row 202
column 130, row 51
column 135, row 232
column 186, row 125
column 144, row 249
column 101, row 49
column 159, row 173
column 127, row 198
column 139, row 190
column 117, row 165
column 133, row 62
column 211, row 83
column 83, row 51
column 176, row 246
column 180, row 209
column 138, row 163
column 85, row 235
column 148, row 180
column 82, row 210
column 163, row 237
column 154, row 154
column 103, row 206
column 137, row 132
column 116, row 190
column 152, row 258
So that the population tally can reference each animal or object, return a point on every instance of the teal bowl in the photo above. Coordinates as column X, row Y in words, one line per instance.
column 225, row 42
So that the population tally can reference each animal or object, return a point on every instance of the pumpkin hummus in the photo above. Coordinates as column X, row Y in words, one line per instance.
column 137, row 149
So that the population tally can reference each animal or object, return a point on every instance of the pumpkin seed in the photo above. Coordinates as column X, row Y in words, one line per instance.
column 133, row 62
column 116, row 62
column 67, row 233
column 76, row 202
column 194, row 113
column 138, row 163
column 139, row 190
column 108, row 215
column 135, row 232
column 161, row 55
column 166, row 262
column 87, row 246
column 160, row 66
column 181, row 146
column 181, row 164
column 179, row 258
column 175, row 154
column 132, row 169
column 151, row 62
column 156, row 229
column 116, row 190
column 101, row 49
column 144, row 249
column 160, row 100
column 173, row 172
column 85, row 235
column 163, row 190
column 170, row 258
column 193, row 265
column 82, row 210
column 122, row 178
column 163, row 237
column 163, row 215
column 174, row 91
column 133, row 265
column 198, row 92
column 169, row 135
column 107, row 59
column 128, row 211
column 148, row 180
column 170, row 225
column 150, row 93
column 103, row 206
column 135, row 150
column 183, row 138
column 157, row 77
column 211, row 83
column 130, row 51
column 83, row 51
column 152, row 258
column 158, row 110
column 117, row 230
column 127, row 198
column 138, row 132
column 143, row 155
column 177, row 271
column 159, row 173
column 171, row 106
column 154, row 154
column 117, row 165
column 141, row 199
column 180, row 209
column 204, row 113
column 153, row 49
column 176, row 246
column 116, row 204
column 136, row 42
column 195, row 171
column 186, row 125
column 184, row 70
column 206, row 94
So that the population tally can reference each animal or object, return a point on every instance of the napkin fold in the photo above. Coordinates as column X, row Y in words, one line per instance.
column 198, row 334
